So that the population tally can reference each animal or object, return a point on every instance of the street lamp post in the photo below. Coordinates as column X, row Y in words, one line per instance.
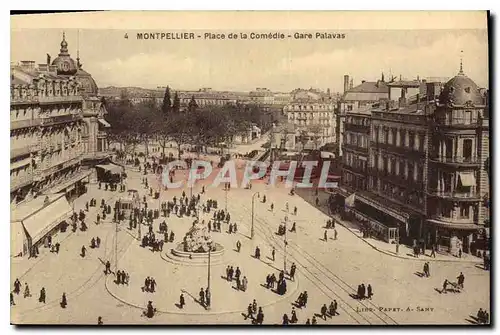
column 252, row 232
column 208, row 274
column 285, row 245
column 226, row 199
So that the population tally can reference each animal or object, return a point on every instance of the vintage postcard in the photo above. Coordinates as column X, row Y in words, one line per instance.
column 252, row 168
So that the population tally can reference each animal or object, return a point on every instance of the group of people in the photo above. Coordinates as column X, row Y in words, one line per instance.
column 329, row 311
column 122, row 277
column 27, row 293
column 302, row 300
column 95, row 242
column 364, row 292
column 241, row 283
column 483, row 317
column 205, row 298
column 149, row 285
column 292, row 319
column 280, row 282
column 330, row 224
column 255, row 313
column 325, row 235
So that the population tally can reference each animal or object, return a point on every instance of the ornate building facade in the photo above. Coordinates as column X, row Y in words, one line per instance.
column 428, row 183
column 56, row 124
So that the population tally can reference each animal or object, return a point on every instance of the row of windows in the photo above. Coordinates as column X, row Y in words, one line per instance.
column 44, row 88
column 399, row 137
column 356, row 139
column 308, row 107
column 354, row 181
column 395, row 192
column 355, row 161
column 458, row 117
column 398, row 167
column 362, row 121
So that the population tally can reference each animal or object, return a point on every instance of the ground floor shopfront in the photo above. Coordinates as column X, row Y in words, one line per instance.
column 384, row 220
column 34, row 222
column 453, row 237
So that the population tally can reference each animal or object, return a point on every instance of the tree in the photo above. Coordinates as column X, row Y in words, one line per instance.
column 176, row 106
column 180, row 129
column 193, row 106
column 303, row 138
column 167, row 104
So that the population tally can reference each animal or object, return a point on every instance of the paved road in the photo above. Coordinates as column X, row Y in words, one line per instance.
column 327, row 270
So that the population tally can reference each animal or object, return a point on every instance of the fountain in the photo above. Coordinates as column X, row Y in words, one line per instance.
column 196, row 245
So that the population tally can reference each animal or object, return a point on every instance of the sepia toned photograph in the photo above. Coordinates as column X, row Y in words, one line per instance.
column 250, row 168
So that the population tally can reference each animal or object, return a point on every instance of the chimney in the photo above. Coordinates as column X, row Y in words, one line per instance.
column 43, row 67
column 48, row 59
column 346, row 83
column 351, row 84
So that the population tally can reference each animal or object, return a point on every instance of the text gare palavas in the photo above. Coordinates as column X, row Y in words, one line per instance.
column 273, row 36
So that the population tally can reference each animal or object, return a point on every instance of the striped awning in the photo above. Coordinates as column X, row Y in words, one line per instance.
column 467, row 178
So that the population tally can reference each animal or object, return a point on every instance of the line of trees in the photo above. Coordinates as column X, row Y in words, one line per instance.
column 133, row 124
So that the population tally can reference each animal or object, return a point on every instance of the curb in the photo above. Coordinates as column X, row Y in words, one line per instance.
column 287, row 296
column 427, row 259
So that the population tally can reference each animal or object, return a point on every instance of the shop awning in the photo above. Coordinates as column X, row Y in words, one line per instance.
column 455, row 226
column 104, row 123
column 47, row 212
column 17, row 237
column 69, row 184
column 20, row 163
column 113, row 169
column 390, row 208
column 467, row 178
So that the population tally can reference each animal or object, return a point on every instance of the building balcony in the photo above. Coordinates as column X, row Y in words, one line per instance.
column 356, row 170
column 457, row 161
column 58, row 119
column 401, row 150
column 17, row 152
column 454, row 195
column 357, row 128
column 20, row 181
column 97, row 155
column 59, row 99
column 18, row 124
column 355, row 148
column 402, row 181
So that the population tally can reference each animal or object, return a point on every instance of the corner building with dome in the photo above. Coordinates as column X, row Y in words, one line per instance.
column 57, row 134
column 427, row 169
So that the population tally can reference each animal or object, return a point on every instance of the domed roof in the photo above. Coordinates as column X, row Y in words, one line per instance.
column 65, row 64
column 88, row 85
column 460, row 90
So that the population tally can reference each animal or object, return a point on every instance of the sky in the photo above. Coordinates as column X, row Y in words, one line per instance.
column 243, row 65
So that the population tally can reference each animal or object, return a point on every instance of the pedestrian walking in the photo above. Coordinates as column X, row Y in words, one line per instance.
column 64, row 302
column 323, row 311
column 314, row 321
column 207, row 297
column 461, row 279
column 285, row 319
column 369, row 291
column 325, row 236
column 202, row 297
column 238, row 246
column 294, row 316
column 12, row 303
column 273, row 253
column 433, row 251
column 27, row 293
column 99, row 321
column 42, row 295
column 335, row 234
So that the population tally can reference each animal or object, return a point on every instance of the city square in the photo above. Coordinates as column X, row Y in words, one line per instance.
column 140, row 196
